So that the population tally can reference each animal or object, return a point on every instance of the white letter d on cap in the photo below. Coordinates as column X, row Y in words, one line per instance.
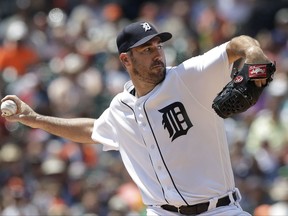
column 146, row 26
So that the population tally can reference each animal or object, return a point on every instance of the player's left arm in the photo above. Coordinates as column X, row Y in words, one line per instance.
column 247, row 48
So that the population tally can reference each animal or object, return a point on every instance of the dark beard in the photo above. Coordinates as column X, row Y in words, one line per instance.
column 152, row 78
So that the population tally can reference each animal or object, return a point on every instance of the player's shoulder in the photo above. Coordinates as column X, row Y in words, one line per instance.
column 117, row 99
column 170, row 70
column 124, row 97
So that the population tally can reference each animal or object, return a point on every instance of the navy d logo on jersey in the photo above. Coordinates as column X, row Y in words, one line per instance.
column 175, row 120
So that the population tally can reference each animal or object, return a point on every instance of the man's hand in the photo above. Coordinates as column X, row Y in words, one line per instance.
column 241, row 92
column 25, row 114
column 260, row 83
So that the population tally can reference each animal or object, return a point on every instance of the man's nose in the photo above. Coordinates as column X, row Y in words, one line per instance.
column 157, row 54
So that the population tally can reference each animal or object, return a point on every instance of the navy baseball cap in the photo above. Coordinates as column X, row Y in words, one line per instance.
column 137, row 34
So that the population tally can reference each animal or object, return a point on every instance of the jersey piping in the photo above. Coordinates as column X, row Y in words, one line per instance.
column 163, row 192
column 162, row 158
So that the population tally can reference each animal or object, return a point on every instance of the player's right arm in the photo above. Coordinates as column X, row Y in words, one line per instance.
column 75, row 129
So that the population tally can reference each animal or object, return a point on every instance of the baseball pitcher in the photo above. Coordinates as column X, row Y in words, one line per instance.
column 171, row 140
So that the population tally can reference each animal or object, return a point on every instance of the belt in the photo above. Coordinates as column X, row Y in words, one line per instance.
column 198, row 208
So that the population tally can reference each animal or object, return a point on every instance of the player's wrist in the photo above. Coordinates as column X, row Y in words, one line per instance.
column 255, row 55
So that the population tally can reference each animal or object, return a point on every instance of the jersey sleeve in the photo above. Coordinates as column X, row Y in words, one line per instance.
column 104, row 132
column 205, row 75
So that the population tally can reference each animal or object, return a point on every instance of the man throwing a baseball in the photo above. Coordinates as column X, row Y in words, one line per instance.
column 171, row 141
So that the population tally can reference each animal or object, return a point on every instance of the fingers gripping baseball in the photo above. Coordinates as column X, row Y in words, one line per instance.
column 8, row 108
column 16, row 110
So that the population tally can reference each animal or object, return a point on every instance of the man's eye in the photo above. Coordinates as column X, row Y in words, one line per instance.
column 148, row 49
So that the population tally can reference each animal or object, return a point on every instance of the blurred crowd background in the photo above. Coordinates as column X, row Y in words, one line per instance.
column 60, row 57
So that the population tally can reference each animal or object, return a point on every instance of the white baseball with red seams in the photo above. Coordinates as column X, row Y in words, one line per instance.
column 8, row 108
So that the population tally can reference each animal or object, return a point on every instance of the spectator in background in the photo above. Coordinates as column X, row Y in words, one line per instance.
column 18, row 203
column 15, row 52
column 268, row 126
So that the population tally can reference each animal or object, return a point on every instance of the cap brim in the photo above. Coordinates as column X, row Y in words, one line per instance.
column 164, row 36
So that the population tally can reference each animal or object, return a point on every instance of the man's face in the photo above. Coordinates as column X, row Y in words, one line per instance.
column 148, row 62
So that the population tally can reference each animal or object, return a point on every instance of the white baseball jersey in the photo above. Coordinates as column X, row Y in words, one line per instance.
column 171, row 141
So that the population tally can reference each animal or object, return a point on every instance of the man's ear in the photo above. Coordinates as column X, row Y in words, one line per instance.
column 124, row 59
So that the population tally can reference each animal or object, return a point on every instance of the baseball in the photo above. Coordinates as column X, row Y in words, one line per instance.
column 8, row 108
